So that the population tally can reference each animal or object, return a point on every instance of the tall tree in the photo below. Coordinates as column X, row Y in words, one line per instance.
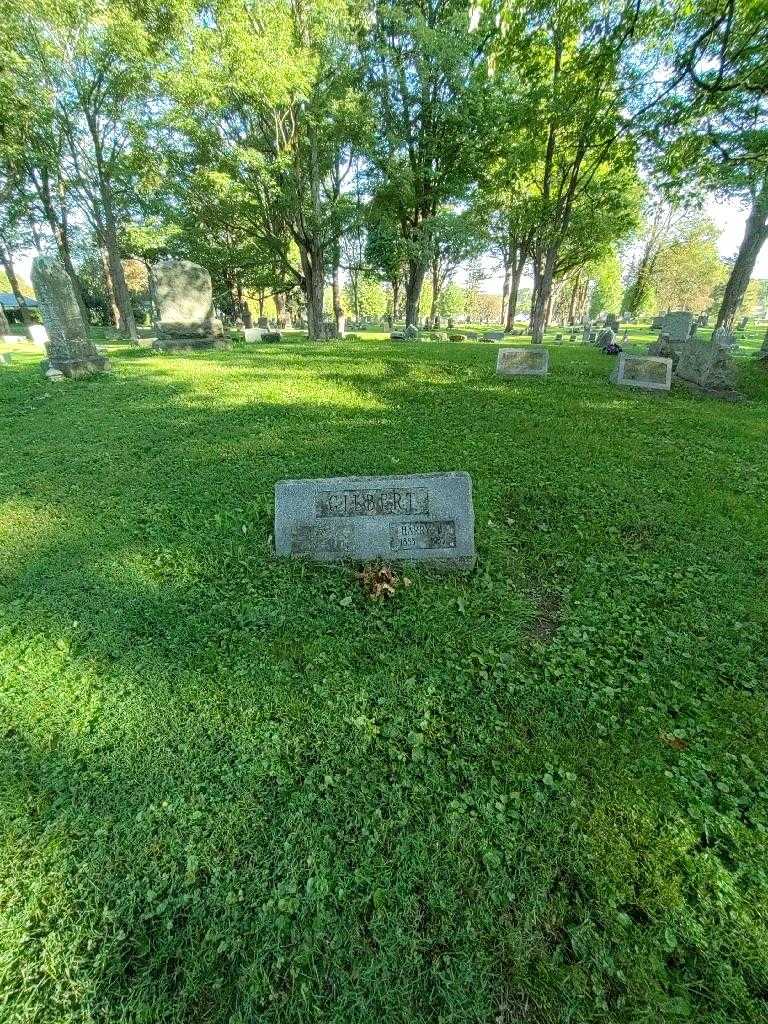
column 714, row 126
column 578, row 77
column 426, row 75
column 265, row 93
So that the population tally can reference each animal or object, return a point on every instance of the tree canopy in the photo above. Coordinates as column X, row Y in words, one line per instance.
column 287, row 146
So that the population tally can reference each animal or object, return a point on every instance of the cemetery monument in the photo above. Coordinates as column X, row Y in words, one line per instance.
column 531, row 361
column 423, row 517
column 69, row 351
column 650, row 373
column 183, row 296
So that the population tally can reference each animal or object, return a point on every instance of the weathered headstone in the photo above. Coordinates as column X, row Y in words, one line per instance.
column 531, row 361
column 263, row 323
column 606, row 339
column 657, row 323
column 651, row 373
column 4, row 325
column 613, row 322
column 678, row 326
column 724, row 338
column 707, row 365
column 664, row 348
column 68, row 349
column 424, row 517
column 252, row 334
column 183, row 295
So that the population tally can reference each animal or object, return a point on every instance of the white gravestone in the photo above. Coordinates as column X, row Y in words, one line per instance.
column 252, row 334
column 651, row 373
column 38, row 334
column 424, row 517
column 531, row 361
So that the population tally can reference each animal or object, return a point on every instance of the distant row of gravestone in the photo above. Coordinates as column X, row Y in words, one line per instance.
column 182, row 294
column 703, row 363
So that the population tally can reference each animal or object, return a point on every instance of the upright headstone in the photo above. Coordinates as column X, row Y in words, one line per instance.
column 724, row 338
column 263, row 323
column 4, row 325
column 183, row 296
column 38, row 334
column 707, row 365
column 657, row 323
column 252, row 334
column 68, row 349
column 664, row 348
column 424, row 517
column 606, row 340
column 678, row 326
column 531, row 361
column 613, row 322
column 650, row 373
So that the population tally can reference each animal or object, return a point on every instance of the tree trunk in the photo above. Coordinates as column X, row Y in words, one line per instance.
column 572, row 303
column 755, row 234
column 126, row 322
column 505, row 292
column 279, row 300
column 542, row 297
column 416, row 273
column 514, row 288
column 435, row 291
column 338, row 312
column 24, row 313
column 314, row 276
column 109, row 286
column 395, row 301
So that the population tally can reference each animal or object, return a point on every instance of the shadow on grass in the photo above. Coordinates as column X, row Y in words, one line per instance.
column 231, row 796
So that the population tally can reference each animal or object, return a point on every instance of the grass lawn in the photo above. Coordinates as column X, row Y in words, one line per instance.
column 234, row 789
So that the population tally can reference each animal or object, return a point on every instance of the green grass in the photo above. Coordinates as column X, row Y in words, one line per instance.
column 227, row 794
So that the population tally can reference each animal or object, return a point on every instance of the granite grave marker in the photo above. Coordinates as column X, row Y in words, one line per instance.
column 531, row 361
column 183, row 296
column 67, row 346
column 423, row 517
column 651, row 373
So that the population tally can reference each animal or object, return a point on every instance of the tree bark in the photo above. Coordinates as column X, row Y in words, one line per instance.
column 505, row 292
column 338, row 312
column 435, row 291
column 755, row 234
column 514, row 288
column 279, row 300
column 26, row 317
column 109, row 286
column 543, row 278
column 416, row 273
column 313, row 268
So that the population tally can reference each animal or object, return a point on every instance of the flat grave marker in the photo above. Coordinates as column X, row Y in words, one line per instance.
column 423, row 517
column 650, row 373
column 531, row 361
